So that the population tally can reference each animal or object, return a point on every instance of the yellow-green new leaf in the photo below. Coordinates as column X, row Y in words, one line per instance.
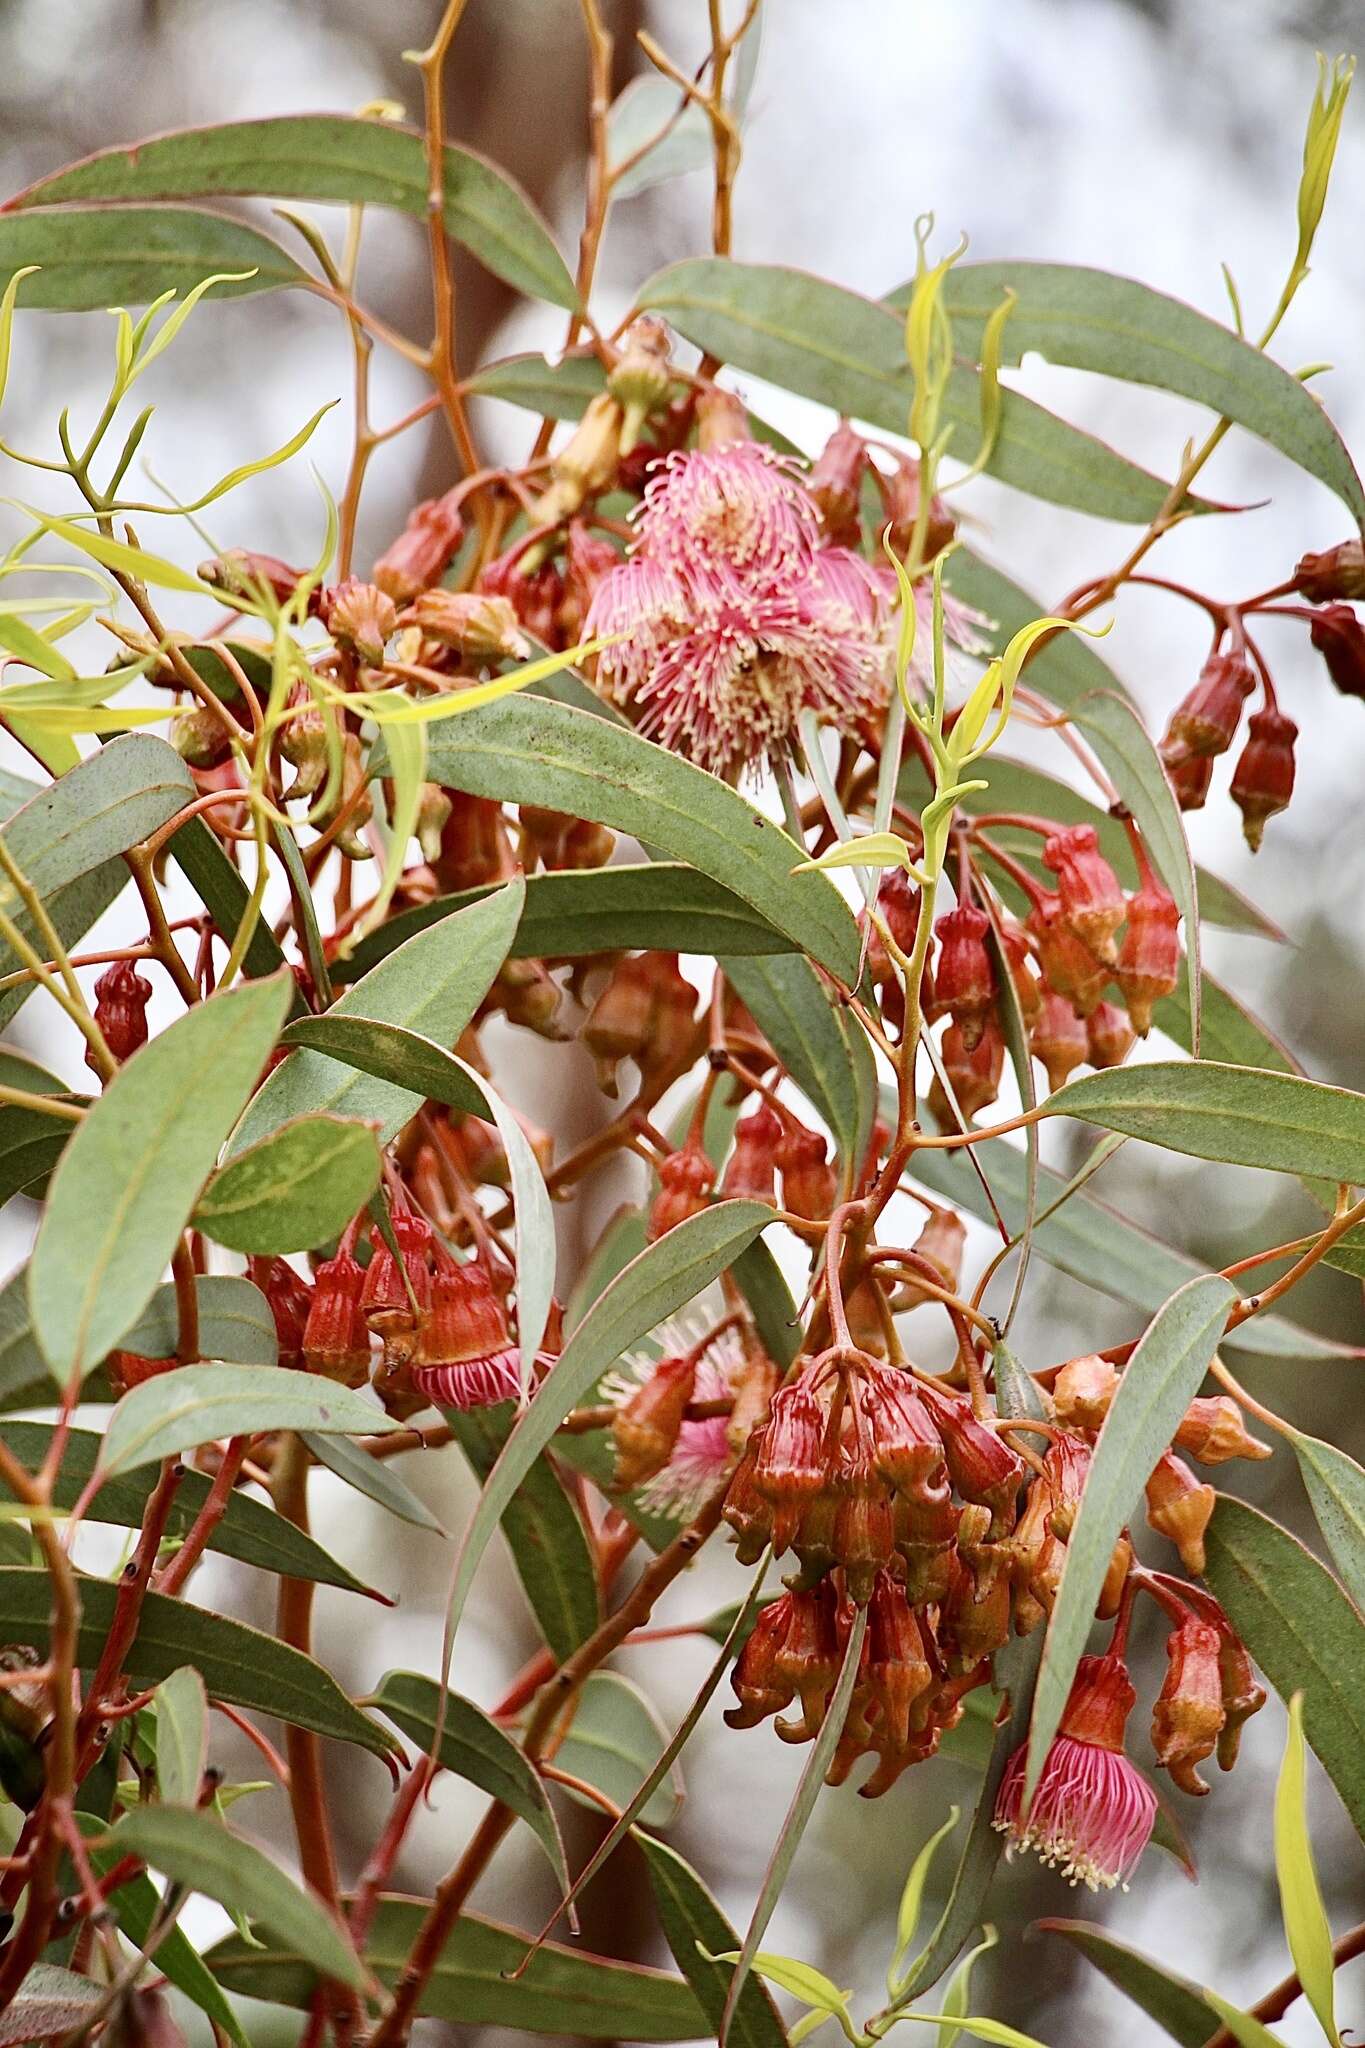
column 912, row 1900
column 1305, row 1920
column 1244, row 2029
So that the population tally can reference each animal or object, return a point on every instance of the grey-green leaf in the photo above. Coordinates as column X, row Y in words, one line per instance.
column 294, row 1189
column 182, row 1736
column 197, row 1404
column 826, row 1053
column 613, row 1743
column 90, row 257
column 375, row 1478
column 1336, row 1486
column 1160, row 1381
column 695, row 1930
column 129, row 1178
column 1174, row 2004
column 97, row 810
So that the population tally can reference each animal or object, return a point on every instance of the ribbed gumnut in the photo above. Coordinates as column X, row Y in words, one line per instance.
column 1337, row 572
column 423, row 550
column 289, row 1298
column 1149, row 959
column 1019, row 956
column 900, row 489
column 536, row 594
column 527, row 994
column 128, row 1369
column 791, row 1459
column 1058, row 1038
column 1242, row 1696
column 753, row 1680
column 640, row 377
column 1179, row 1507
column 1188, row 1716
column 464, row 1356
column 974, row 1076
column 749, row 1172
column 1205, row 722
column 809, row 1186
column 121, row 999
column 863, row 1535
column 898, row 903
column 925, row 1530
column 897, row 1674
column 974, row 1620
column 940, row 1244
column 645, row 1428
column 244, row 572
column 981, row 1464
column 336, row 1336
column 806, row 1663
column 748, row 1513
column 618, row 1024
column 360, row 617
column 835, row 481
column 1083, row 1390
column 1069, row 967
column 303, row 743
column 397, row 1291
column 434, row 806
column 1109, row 1035
column 1339, row 637
column 753, row 1383
column 587, row 560
column 1038, row 1547
column 1263, row 780
column 1092, row 901
column 907, row 1449
column 476, row 626
column 200, row 736
column 964, row 979
column 354, row 806
column 685, row 1180
column 1191, row 780
column 1213, row 1431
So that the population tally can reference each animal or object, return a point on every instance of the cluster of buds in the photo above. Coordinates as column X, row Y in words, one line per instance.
column 1204, row 725
column 645, row 1013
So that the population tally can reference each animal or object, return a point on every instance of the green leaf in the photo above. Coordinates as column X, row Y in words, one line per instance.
column 49, row 2001
column 1227, row 1031
column 98, row 810
column 1244, row 2028
column 375, row 1478
column 31, row 1141
column 528, row 750
column 1173, row 2003
column 198, row 1404
column 564, row 1992
column 240, row 1665
column 197, row 1851
column 844, row 351
column 72, row 910
column 664, row 1278
column 544, row 1531
column 129, row 1178
column 824, row 1050
column 993, row 2031
column 1016, row 1391
column 613, row 1743
column 1090, row 320
column 957, row 1998
column 561, row 391
column 235, row 1323
column 223, row 891
column 91, row 257
column 578, row 911
column 322, row 157
column 1158, row 1384
column 696, row 1930
column 1301, row 1629
column 1126, row 752
column 249, row 1531
column 475, row 1749
column 1305, row 1920
column 1097, row 1245
column 1240, row 1115
column 776, row 1316
column 182, row 1736
column 912, row 1899
column 1336, row 1486
column 296, row 1188
column 432, row 985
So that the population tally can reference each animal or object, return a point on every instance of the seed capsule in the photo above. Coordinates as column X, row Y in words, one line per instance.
column 1188, row 1716
column 1263, row 780
column 1149, row 959
column 1179, row 1507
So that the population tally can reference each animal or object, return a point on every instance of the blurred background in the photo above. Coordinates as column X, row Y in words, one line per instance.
column 1142, row 135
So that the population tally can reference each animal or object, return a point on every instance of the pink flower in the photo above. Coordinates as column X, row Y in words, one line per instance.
column 1093, row 1811
column 472, row 1382
column 702, row 1455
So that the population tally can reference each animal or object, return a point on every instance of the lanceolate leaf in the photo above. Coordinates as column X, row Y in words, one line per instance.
column 237, row 1664
column 182, row 1736
column 323, row 157
column 223, row 891
column 844, row 351
column 528, row 750
column 375, row 1478
column 601, row 910
column 696, row 1929
column 89, row 257
column 73, row 907
column 1236, row 1114
column 1303, row 1632
column 392, row 1053
column 1336, row 1486
column 432, row 985
column 1159, row 1383
column 97, row 810
column 825, row 1052
column 197, row 1851
column 235, row 1323
column 1091, row 320
column 196, row 1404
column 297, row 1188
column 564, row 1992
column 562, row 390
column 653, row 1287
column 1173, row 2003
column 1305, row 1921
column 130, row 1176
column 613, row 1743
column 474, row 1748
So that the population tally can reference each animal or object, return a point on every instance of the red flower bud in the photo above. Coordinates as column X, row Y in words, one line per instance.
column 1149, row 959
column 289, row 1298
column 835, row 483
column 749, row 1176
column 1179, row 1507
column 1067, row 962
column 1091, row 899
column 684, row 1182
column 982, row 1465
column 1339, row 572
column 906, row 1447
column 864, row 1532
column 584, row 845
column 1339, row 637
column 1027, row 991
column 336, row 1336
column 423, row 550
column 900, row 497
column 244, row 572
column 975, row 1076
column 535, row 595
column 128, row 1369
column 941, row 1244
column 791, row 1462
column 807, row 1661
column 898, row 900
column 397, row 1292
column 476, row 626
column 964, row 979
column 1188, row 1716
column 1263, row 780
column 809, row 1186
column 121, row 999
column 1058, row 1038
column 587, row 559
column 1191, row 780
column 898, row 1672
column 753, row 1679
column 1083, row 1390
column 1109, row 1036
column 1213, row 1431
column 1206, row 721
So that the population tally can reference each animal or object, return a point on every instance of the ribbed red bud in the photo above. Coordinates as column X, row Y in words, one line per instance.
column 863, row 1535
column 906, row 1447
column 975, row 1619
column 645, row 1429
column 835, row 483
column 289, row 1298
column 1179, row 1507
column 200, row 737
column 807, row 1660
column 754, row 1681
column 476, row 626
column 685, row 1179
column 981, row 1464
column 243, row 572
column 1213, row 1431
column 1191, row 780
column 1188, row 1716
column 121, row 999
column 941, row 1243
column 1149, row 960
column 898, row 901
column 336, row 1336
column 360, row 616
column 1092, row 901
column 587, row 559
column 749, row 1174
column 464, row 1356
column 1019, row 955
column 1339, row 637
column 748, row 1513
column 898, row 1673
column 423, row 550
column 809, row 1186
column 975, row 1075
column 925, row 1530
column 670, row 1040
column 1109, row 1034
column 397, row 1291
column 791, row 1462
column 1206, row 721
column 964, row 979
column 535, row 595
column 1242, row 1695
column 1263, row 780
column 1337, row 572
column 1058, row 1038
column 1067, row 962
